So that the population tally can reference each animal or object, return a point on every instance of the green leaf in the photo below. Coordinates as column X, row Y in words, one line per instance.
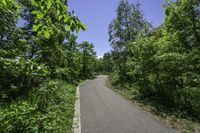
column 73, row 26
column 77, row 29
column 36, row 27
column 47, row 34
column 66, row 18
column 64, row 7
column 36, row 12
column 58, row 1
column 40, row 15
column 67, row 27
column 34, row 3
column 48, row 20
column 83, row 26
column 49, row 5
column 60, row 17
column 4, row 2
column 58, row 12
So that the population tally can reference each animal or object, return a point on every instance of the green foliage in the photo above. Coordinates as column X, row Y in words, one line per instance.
column 32, row 57
column 49, row 14
column 49, row 109
column 108, row 62
column 188, row 99
column 19, row 117
column 56, row 101
column 182, row 17
column 19, row 75
column 162, row 64
column 128, row 23
column 88, row 59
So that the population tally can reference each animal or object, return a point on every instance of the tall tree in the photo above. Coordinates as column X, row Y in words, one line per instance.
column 8, row 31
column 88, row 58
column 183, row 18
column 36, row 50
column 108, row 62
column 128, row 23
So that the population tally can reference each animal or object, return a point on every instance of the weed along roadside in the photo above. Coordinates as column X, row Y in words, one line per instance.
column 49, row 109
column 172, row 117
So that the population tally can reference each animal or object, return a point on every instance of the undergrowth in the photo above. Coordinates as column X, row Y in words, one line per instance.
column 50, row 108
column 176, row 118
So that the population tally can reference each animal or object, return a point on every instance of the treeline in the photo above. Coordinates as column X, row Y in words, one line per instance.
column 40, row 64
column 162, row 63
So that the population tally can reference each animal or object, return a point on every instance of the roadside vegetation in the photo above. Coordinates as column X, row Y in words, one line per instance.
column 40, row 65
column 158, row 66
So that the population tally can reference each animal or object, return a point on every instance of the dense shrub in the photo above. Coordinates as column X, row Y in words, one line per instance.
column 19, row 117
column 188, row 99
column 163, row 64
column 43, row 48
column 18, row 76
column 49, row 109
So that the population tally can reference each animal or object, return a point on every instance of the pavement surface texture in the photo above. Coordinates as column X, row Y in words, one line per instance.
column 104, row 111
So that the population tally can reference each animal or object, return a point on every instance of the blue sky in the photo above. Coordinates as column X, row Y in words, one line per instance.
column 97, row 15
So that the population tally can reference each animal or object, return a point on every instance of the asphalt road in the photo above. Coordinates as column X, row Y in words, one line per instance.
column 104, row 111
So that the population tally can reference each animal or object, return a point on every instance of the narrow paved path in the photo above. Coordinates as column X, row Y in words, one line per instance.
column 104, row 111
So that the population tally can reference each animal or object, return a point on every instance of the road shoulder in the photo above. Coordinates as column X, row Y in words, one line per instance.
column 77, row 114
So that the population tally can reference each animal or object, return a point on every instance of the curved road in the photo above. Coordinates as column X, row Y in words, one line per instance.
column 104, row 111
